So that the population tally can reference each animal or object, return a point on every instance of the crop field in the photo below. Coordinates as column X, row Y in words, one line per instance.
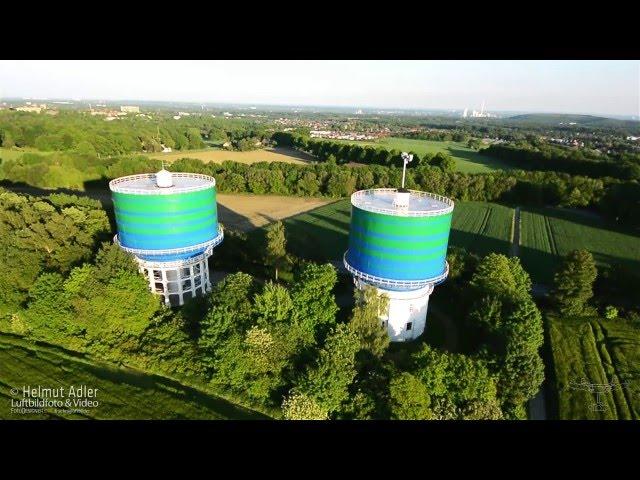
column 322, row 234
column 245, row 212
column 596, row 352
column 277, row 154
column 482, row 227
column 121, row 393
column 467, row 159
column 549, row 233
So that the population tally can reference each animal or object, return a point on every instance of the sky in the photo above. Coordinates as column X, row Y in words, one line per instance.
column 594, row 87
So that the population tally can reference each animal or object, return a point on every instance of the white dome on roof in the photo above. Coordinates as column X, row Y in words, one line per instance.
column 164, row 179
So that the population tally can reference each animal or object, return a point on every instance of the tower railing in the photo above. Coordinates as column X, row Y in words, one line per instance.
column 173, row 251
column 115, row 186
column 357, row 199
column 388, row 282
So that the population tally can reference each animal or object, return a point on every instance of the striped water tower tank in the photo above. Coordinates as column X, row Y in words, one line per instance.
column 398, row 243
column 169, row 222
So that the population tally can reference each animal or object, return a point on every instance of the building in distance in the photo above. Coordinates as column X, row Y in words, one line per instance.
column 130, row 109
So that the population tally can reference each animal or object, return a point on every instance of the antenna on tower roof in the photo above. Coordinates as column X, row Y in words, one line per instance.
column 406, row 158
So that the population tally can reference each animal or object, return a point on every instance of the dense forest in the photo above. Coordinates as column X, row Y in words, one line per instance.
column 92, row 135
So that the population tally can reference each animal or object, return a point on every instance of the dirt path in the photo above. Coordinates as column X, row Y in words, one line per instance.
column 537, row 405
column 515, row 238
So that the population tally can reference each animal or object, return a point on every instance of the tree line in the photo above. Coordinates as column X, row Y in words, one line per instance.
column 572, row 161
column 83, row 133
column 341, row 153
column 616, row 199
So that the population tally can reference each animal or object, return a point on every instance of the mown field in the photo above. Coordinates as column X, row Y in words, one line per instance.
column 467, row 159
column 122, row 393
column 482, row 227
column 550, row 233
column 596, row 354
column 277, row 154
column 245, row 212
column 322, row 234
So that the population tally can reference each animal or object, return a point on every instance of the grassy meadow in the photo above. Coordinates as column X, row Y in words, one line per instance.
column 122, row 393
column 467, row 159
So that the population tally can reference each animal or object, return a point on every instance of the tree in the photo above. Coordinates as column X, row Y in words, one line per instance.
column 366, row 323
column 473, row 143
column 499, row 275
column 328, row 381
column 444, row 161
column 273, row 305
column 230, row 313
column 409, row 398
column 298, row 406
column 573, row 283
column 610, row 312
column 313, row 299
column 276, row 253
column 252, row 363
column 456, row 383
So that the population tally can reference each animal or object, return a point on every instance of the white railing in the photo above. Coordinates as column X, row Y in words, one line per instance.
column 173, row 251
column 387, row 282
column 358, row 199
column 185, row 262
column 115, row 187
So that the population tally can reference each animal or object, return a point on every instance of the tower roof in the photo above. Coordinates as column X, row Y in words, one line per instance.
column 162, row 183
column 384, row 200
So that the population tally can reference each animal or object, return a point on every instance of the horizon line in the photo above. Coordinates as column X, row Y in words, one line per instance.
column 633, row 117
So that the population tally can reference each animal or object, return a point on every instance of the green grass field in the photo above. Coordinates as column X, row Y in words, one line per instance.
column 482, row 227
column 322, row 234
column 467, row 159
column 549, row 233
column 596, row 352
column 122, row 393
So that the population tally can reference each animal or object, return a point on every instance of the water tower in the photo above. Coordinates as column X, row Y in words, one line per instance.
column 169, row 222
column 398, row 243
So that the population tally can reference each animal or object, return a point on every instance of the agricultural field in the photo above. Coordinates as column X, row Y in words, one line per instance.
column 277, row 154
column 322, row 234
column 245, row 212
column 596, row 352
column 549, row 233
column 121, row 393
column 467, row 159
column 482, row 227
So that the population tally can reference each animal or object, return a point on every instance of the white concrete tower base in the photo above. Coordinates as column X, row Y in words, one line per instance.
column 407, row 315
column 179, row 280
